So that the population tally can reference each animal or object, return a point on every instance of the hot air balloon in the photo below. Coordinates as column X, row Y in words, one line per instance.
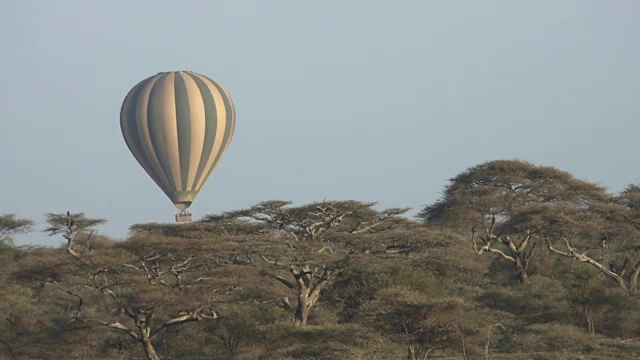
column 178, row 126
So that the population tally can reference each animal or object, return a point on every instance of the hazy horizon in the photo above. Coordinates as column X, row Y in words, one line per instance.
column 362, row 100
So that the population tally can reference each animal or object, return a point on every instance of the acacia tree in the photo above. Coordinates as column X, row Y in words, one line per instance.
column 111, row 283
column 307, row 283
column 70, row 226
column 313, row 221
column 141, row 296
column 604, row 235
column 487, row 197
column 307, row 287
column 210, row 225
column 428, row 324
column 629, row 198
column 10, row 226
column 367, row 220
column 308, row 222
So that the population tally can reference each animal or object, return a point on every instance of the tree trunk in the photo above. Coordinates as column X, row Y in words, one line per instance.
column 521, row 270
column 149, row 350
column 308, row 293
column 464, row 347
column 302, row 310
column 589, row 317
column 633, row 279
column 411, row 353
column 622, row 284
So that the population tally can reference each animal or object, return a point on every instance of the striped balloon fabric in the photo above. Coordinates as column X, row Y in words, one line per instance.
column 178, row 125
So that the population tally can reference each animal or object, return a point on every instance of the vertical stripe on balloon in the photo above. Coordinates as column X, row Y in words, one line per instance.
column 183, row 118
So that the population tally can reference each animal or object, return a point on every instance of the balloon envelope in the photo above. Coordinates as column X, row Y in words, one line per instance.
column 178, row 125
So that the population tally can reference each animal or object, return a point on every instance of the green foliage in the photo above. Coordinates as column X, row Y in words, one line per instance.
column 552, row 337
column 542, row 300
column 412, row 278
column 10, row 226
column 398, row 287
column 210, row 226
column 360, row 283
column 316, row 220
column 377, row 306
column 502, row 187
column 59, row 223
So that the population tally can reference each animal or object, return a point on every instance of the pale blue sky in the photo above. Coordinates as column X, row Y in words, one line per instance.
column 367, row 100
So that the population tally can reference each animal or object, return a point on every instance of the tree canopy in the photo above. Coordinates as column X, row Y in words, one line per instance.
column 343, row 279
column 10, row 225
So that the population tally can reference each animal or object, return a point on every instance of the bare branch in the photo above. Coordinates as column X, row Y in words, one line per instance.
column 275, row 262
column 572, row 253
column 487, row 247
column 286, row 282
column 525, row 242
column 196, row 315
column 76, row 316
column 317, row 287
column 117, row 326
column 633, row 280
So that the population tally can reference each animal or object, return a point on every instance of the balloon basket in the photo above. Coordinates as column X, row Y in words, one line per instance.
column 184, row 217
